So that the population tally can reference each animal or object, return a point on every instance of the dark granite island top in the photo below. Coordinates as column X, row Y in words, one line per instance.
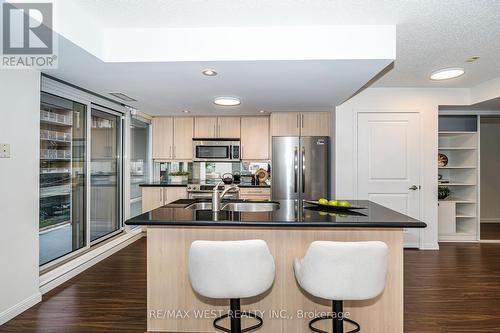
column 291, row 213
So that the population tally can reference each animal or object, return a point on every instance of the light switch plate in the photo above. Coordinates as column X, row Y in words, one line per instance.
column 4, row 150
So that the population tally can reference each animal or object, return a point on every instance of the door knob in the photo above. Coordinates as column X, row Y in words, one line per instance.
column 413, row 188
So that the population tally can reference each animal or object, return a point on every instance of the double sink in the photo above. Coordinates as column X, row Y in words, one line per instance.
column 238, row 206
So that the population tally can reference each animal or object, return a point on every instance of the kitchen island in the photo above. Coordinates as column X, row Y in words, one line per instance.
column 288, row 229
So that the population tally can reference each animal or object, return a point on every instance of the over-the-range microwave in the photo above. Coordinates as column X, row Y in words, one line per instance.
column 216, row 150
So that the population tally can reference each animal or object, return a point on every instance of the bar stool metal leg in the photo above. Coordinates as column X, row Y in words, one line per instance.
column 337, row 318
column 235, row 315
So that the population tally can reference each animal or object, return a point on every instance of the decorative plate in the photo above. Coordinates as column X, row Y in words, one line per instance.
column 442, row 160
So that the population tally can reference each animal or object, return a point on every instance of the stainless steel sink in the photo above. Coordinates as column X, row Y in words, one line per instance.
column 200, row 206
column 237, row 206
column 250, row 206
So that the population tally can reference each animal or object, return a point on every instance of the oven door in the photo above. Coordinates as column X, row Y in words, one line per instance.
column 207, row 152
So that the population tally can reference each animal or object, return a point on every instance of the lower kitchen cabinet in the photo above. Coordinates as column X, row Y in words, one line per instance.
column 156, row 196
column 255, row 193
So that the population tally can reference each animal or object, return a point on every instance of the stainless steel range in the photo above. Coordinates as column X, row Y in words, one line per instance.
column 197, row 191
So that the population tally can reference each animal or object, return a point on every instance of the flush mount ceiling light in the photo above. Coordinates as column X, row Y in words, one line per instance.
column 262, row 111
column 186, row 111
column 227, row 101
column 209, row 72
column 447, row 73
column 123, row 97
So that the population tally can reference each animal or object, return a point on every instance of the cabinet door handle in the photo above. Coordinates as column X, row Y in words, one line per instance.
column 297, row 117
column 170, row 152
column 161, row 196
column 302, row 120
column 413, row 187
column 174, row 151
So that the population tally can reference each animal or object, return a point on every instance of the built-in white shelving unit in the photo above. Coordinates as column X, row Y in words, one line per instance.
column 458, row 214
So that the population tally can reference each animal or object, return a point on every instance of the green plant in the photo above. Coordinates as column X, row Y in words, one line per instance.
column 443, row 192
column 179, row 173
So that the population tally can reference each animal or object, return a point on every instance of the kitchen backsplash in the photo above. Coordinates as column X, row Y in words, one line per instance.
column 208, row 170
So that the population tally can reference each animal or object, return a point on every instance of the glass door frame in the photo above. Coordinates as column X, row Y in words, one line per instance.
column 73, row 94
column 120, row 168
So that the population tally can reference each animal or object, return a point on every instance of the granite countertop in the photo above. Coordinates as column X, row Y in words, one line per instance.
column 291, row 213
column 168, row 184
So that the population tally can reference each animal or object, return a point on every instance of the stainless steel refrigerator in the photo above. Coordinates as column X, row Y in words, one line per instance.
column 300, row 167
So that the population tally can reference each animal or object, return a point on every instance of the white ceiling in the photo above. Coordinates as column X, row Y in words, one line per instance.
column 431, row 34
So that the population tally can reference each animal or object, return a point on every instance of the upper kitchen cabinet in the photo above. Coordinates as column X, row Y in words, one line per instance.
column 217, row 127
column 183, row 138
column 315, row 124
column 285, row 124
column 205, row 127
column 228, row 127
column 300, row 124
column 255, row 138
column 172, row 138
column 163, row 138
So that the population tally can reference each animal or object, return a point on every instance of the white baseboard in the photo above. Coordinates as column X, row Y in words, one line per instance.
column 429, row 246
column 63, row 273
column 490, row 219
column 20, row 307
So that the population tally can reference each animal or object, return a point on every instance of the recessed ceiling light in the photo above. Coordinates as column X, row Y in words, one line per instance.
column 186, row 111
column 447, row 73
column 262, row 111
column 123, row 97
column 227, row 101
column 209, row 72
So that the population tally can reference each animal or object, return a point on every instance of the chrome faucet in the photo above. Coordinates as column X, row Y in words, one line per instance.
column 217, row 196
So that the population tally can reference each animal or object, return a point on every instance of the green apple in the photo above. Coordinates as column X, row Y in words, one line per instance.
column 323, row 213
column 332, row 214
column 344, row 203
column 333, row 203
column 323, row 201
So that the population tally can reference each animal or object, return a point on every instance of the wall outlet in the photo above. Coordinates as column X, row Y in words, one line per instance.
column 4, row 150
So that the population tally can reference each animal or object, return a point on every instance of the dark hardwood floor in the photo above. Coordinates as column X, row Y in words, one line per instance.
column 456, row 289
column 490, row 231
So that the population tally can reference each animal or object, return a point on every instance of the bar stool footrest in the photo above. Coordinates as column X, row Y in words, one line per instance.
column 314, row 329
column 243, row 314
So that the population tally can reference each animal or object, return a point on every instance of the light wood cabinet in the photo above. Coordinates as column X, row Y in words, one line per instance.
column 173, row 193
column 315, row 124
column 217, row 127
column 228, row 127
column 157, row 196
column 255, row 193
column 255, row 138
column 205, row 127
column 183, row 138
column 163, row 138
column 152, row 198
column 300, row 124
column 285, row 124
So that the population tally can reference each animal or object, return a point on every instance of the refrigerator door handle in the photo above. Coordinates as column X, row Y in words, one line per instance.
column 303, row 169
column 295, row 168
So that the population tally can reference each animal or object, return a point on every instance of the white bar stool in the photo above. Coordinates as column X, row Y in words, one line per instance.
column 341, row 271
column 231, row 270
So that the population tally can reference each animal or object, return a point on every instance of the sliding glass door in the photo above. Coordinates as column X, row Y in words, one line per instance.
column 106, row 173
column 63, row 134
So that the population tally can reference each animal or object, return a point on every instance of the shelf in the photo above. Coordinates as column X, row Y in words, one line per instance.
column 457, row 200
column 457, row 148
column 457, row 167
column 462, row 216
column 456, row 184
column 455, row 132
column 55, row 140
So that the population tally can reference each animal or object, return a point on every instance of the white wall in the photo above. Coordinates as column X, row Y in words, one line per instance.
column 490, row 164
column 19, row 126
column 425, row 101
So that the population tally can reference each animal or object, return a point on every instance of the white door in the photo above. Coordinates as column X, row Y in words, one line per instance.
column 389, row 163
